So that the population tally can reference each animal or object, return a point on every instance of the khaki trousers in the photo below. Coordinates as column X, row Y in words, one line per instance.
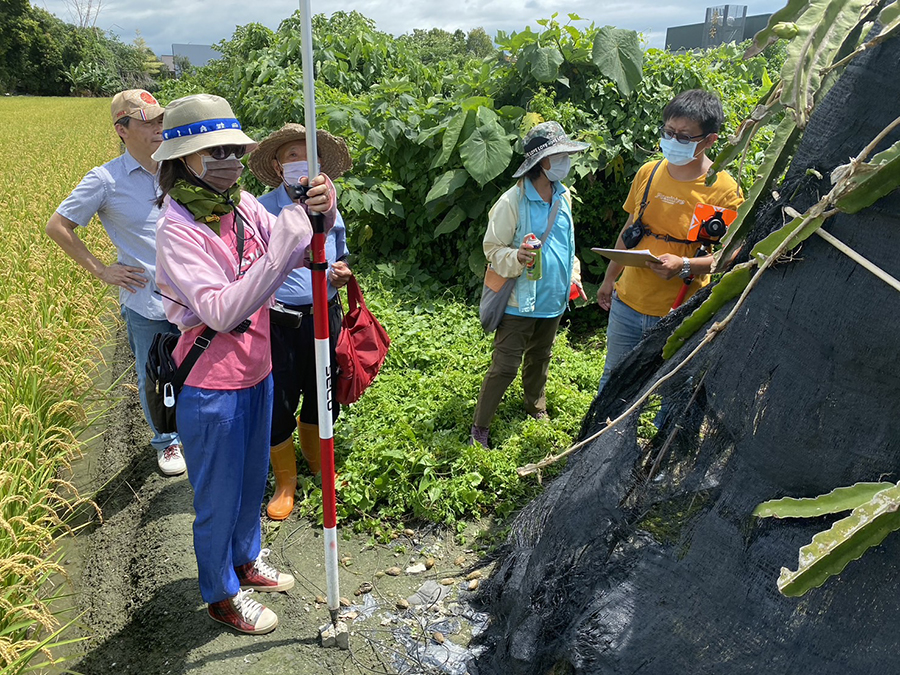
column 518, row 337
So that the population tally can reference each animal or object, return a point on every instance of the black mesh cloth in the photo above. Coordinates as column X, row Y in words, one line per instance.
column 612, row 570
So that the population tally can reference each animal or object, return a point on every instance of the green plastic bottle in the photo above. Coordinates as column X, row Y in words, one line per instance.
column 533, row 270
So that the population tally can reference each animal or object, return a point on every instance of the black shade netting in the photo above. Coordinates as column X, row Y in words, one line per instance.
column 643, row 557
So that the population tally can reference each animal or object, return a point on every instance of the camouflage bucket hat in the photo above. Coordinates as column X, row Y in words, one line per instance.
column 545, row 139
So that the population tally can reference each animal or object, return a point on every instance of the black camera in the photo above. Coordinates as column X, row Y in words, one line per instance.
column 713, row 228
column 297, row 193
column 632, row 236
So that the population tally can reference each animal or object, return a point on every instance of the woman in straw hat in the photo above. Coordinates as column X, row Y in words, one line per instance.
column 220, row 257
column 528, row 327
column 280, row 160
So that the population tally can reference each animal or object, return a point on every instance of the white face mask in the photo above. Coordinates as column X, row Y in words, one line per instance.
column 559, row 168
column 294, row 171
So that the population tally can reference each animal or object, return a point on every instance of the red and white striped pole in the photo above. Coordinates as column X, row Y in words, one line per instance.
column 320, row 321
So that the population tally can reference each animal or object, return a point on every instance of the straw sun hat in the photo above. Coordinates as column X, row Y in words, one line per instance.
column 198, row 122
column 334, row 158
column 545, row 139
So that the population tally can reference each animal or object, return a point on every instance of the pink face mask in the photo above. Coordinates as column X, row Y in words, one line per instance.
column 220, row 174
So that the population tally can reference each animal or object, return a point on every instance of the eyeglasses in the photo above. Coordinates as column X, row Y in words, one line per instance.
column 684, row 139
column 223, row 151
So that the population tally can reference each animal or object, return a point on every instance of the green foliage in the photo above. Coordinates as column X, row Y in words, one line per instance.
column 617, row 55
column 877, row 178
column 93, row 79
column 781, row 148
column 847, row 540
column 42, row 55
column 436, row 45
column 402, row 449
column 730, row 286
column 839, row 499
column 435, row 136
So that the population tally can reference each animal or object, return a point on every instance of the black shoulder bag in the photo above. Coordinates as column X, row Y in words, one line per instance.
column 633, row 235
column 165, row 380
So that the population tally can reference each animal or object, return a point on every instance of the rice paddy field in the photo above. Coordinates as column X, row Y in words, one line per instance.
column 55, row 318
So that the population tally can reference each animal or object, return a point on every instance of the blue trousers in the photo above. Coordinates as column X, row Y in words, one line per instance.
column 626, row 328
column 141, row 332
column 226, row 447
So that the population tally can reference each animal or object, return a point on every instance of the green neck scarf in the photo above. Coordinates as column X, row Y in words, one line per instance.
column 205, row 205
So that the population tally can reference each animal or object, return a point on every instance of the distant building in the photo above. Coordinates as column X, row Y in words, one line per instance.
column 725, row 23
column 193, row 55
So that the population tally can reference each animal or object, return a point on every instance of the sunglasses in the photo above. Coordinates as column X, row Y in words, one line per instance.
column 223, row 151
column 684, row 139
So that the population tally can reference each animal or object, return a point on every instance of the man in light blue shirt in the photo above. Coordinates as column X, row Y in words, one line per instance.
column 123, row 194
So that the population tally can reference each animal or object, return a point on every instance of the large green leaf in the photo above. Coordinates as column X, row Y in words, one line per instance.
column 542, row 63
column 617, row 53
column 731, row 285
column 375, row 139
column 477, row 262
column 476, row 102
column 831, row 551
column 486, row 152
column 447, row 184
column 780, row 149
column 451, row 221
column 872, row 181
column 450, row 139
column 836, row 501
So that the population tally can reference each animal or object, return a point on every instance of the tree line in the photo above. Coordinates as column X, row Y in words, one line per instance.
column 42, row 55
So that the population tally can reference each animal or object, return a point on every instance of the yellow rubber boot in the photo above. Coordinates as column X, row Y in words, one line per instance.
column 309, row 446
column 284, row 466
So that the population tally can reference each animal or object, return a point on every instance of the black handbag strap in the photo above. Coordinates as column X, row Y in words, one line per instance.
column 646, row 200
column 201, row 343
column 239, row 231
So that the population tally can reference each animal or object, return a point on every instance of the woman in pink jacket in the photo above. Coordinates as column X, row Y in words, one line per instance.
column 220, row 257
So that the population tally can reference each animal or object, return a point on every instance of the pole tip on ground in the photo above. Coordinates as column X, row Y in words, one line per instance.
column 335, row 635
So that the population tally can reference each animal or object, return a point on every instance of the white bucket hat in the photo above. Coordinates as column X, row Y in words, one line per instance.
column 198, row 122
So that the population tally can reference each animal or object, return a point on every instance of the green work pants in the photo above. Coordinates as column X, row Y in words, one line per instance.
column 518, row 336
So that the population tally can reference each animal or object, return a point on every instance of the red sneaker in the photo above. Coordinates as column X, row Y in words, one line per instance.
column 244, row 614
column 259, row 575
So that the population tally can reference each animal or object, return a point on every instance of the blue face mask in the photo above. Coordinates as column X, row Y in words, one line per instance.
column 677, row 153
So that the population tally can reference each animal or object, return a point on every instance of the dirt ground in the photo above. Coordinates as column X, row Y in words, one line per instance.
column 134, row 581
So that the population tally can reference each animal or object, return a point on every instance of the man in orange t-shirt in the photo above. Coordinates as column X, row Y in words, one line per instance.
column 641, row 296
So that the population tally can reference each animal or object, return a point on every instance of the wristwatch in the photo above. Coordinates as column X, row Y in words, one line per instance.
column 685, row 268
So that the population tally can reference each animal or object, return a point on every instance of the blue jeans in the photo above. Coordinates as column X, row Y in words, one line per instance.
column 625, row 330
column 141, row 332
column 226, row 449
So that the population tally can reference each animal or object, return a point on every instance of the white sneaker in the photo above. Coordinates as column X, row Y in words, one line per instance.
column 170, row 460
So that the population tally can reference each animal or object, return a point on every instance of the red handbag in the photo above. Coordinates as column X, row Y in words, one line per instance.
column 361, row 348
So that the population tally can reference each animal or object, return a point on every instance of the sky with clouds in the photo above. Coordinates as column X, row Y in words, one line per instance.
column 164, row 22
